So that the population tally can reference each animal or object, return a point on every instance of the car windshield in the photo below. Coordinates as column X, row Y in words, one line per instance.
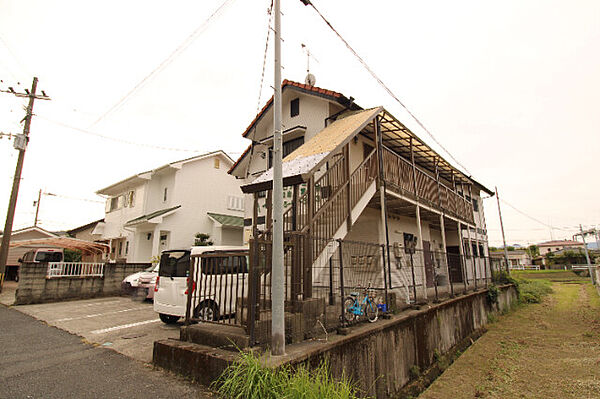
column 151, row 268
column 174, row 264
column 48, row 257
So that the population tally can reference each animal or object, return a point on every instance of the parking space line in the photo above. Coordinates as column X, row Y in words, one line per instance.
column 94, row 315
column 123, row 326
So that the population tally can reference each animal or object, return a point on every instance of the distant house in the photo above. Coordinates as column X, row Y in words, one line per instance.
column 165, row 207
column 517, row 259
column 88, row 232
column 14, row 254
column 558, row 245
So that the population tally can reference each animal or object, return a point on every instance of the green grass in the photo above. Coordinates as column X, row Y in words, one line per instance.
column 532, row 291
column 249, row 378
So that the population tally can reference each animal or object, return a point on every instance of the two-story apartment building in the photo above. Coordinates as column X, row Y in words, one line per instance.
column 360, row 174
column 164, row 208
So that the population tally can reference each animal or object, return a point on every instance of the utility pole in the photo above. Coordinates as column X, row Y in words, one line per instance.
column 587, row 255
column 20, row 144
column 278, row 291
column 502, row 228
column 37, row 207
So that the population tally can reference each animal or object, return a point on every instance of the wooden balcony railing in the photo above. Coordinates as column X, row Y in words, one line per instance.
column 399, row 173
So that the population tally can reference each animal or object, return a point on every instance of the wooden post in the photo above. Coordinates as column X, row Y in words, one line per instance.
column 349, row 187
column 463, row 260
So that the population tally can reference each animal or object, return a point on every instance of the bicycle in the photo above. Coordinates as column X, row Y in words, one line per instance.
column 356, row 305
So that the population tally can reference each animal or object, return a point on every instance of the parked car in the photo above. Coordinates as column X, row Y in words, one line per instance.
column 222, row 277
column 141, row 284
column 41, row 255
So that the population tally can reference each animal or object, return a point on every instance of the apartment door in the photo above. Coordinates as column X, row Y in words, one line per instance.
column 429, row 272
column 454, row 264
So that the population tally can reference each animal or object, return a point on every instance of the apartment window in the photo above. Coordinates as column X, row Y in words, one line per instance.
column 127, row 248
column 120, row 247
column 165, row 195
column 217, row 163
column 295, row 107
column 288, row 147
column 262, row 194
column 114, row 203
column 475, row 205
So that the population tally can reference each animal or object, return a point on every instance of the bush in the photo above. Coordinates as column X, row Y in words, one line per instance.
column 248, row 378
column 532, row 291
column 492, row 294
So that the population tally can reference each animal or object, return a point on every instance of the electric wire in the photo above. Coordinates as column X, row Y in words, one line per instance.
column 128, row 142
column 180, row 49
column 262, row 79
column 386, row 88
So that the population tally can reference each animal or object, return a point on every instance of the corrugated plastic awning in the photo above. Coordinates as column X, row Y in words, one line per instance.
column 148, row 217
column 64, row 242
column 227, row 220
column 298, row 165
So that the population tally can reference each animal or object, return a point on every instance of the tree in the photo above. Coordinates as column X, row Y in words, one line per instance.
column 201, row 240
column 72, row 255
column 533, row 251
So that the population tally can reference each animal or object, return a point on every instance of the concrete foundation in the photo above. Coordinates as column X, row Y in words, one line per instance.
column 382, row 357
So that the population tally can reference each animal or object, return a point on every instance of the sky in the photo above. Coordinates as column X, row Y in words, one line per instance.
column 511, row 89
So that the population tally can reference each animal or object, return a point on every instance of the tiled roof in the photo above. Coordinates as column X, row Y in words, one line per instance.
column 304, row 87
column 227, row 220
column 560, row 243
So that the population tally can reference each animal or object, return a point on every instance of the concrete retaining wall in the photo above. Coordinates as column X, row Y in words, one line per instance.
column 34, row 287
column 383, row 357
column 380, row 360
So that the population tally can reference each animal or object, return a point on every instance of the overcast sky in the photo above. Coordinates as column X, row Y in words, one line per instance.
column 510, row 88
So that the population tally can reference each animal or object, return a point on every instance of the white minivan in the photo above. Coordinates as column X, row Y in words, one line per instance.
column 220, row 278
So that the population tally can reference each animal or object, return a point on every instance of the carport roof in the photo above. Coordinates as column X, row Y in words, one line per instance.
column 64, row 242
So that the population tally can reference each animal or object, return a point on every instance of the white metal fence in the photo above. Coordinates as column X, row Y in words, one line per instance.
column 74, row 269
column 524, row 267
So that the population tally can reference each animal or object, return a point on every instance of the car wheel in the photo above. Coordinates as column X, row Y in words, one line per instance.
column 168, row 319
column 208, row 311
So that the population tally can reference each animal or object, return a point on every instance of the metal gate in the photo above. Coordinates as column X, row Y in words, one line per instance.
column 218, row 287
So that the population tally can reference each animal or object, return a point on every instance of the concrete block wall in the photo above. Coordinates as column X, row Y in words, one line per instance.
column 34, row 287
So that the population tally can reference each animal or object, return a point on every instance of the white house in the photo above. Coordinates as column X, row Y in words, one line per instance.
column 166, row 207
column 332, row 183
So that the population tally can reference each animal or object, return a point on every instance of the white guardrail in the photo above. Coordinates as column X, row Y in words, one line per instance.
column 74, row 269
column 525, row 267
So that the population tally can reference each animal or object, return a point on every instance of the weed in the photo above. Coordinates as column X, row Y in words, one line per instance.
column 492, row 318
column 532, row 291
column 492, row 294
column 437, row 356
column 414, row 371
column 248, row 378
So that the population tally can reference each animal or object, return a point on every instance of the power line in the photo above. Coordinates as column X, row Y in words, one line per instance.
column 385, row 87
column 118, row 140
column 182, row 47
column 264, row 65
column 123, row 141
column 531, row 217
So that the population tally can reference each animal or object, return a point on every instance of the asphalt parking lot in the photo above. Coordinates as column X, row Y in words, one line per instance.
column 128, row 326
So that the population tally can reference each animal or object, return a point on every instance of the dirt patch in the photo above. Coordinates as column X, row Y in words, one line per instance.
column 548, row 350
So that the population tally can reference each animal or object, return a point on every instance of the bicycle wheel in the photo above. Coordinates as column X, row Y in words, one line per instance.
column 348, row 305
column 371, row 311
